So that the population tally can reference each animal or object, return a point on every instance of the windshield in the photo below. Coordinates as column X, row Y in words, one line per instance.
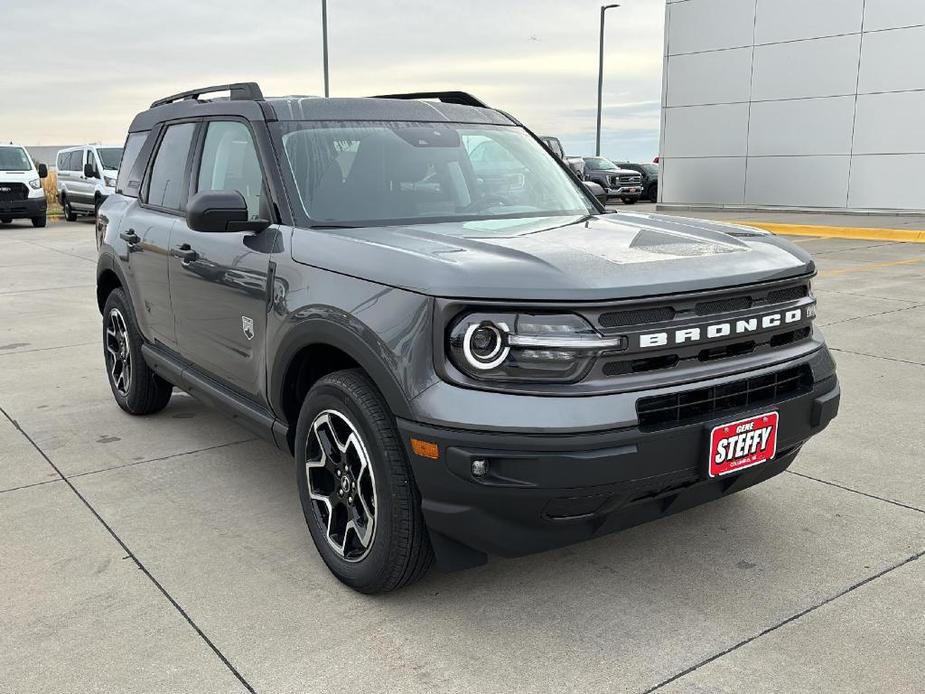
column 14, row 159
column 379, row 173
column 600, row 164
column 110, row 157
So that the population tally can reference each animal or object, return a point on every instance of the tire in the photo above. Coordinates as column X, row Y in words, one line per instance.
column 629, row 201
column 140, row 391
column 6, row 220
column 69, row 213
column 39, row 221
column 653, row 194
column 96, row 207
column 397, row 551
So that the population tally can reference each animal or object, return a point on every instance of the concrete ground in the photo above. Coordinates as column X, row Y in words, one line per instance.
column 169, row 554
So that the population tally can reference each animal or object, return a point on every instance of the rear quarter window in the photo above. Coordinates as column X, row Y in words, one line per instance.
column 130, row 153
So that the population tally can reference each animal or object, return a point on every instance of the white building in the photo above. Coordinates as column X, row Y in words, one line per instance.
column 794, row 103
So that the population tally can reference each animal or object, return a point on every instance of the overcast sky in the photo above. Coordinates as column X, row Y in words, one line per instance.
column 89, row 66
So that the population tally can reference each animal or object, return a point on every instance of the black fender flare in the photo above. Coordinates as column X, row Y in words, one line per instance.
column 323, row 331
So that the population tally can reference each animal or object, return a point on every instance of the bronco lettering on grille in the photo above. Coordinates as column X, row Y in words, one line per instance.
column 716, row 331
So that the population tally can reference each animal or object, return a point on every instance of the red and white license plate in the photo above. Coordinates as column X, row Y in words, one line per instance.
column 742, row 444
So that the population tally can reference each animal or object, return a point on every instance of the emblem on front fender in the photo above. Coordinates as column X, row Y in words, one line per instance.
column 247, row 325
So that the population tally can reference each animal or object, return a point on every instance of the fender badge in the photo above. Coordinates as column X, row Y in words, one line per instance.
column 247, row 325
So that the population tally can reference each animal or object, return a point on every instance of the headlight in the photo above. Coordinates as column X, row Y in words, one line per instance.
column 527, row 347
column 110, row 182
column 35, row 184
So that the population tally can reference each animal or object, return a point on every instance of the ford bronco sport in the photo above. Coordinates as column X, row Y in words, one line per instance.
column 463, row 352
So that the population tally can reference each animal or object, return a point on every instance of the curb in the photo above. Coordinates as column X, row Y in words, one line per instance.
column 857, row 233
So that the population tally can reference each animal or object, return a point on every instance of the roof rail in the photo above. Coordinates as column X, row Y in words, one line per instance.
column 461, row 98
column 240, row 91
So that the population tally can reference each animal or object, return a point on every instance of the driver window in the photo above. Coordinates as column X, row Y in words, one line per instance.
column 229, row 162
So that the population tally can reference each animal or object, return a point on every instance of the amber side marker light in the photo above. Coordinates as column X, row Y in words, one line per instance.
column 425, row 449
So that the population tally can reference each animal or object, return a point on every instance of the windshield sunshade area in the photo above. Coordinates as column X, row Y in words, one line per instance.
column 375, row 174
column 14, row 159
column 110, row 157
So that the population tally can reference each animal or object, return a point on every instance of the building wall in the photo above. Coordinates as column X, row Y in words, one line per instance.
column 794, row 103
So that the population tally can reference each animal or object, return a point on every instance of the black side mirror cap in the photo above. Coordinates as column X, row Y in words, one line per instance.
column 43, row 171
column 221, row 211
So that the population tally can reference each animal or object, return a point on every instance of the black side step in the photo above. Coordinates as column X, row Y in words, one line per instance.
column 247, row 413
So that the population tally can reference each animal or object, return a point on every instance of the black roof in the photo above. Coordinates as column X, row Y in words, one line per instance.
column 247, row 101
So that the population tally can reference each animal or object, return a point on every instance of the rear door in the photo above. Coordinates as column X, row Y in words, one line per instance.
column 147, row 224
column 218, row 281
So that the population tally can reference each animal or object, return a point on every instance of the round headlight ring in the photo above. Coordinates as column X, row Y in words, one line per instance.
column 499, row 350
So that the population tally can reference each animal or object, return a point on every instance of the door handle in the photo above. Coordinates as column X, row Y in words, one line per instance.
column 184, row 253
column 130, row 237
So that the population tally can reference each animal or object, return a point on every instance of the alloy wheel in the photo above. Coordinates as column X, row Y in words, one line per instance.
column 118, row 352
column 341, row 484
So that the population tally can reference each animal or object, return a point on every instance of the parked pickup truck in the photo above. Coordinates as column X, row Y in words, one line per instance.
column 619, row 183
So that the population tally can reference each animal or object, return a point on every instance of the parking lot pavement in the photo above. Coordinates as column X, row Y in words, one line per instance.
column 169, row 553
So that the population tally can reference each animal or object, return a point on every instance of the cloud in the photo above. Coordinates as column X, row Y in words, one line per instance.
column 96, row 64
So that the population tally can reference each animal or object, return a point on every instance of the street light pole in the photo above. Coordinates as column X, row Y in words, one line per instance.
column 600, row 82
column 324, row 42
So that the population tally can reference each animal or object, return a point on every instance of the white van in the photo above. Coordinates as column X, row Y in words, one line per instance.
column 86, row 176
column 21, row 193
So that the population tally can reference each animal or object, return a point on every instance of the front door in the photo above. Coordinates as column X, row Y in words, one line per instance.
column 218, row 281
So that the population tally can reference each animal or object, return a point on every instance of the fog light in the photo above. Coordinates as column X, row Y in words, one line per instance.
column 479, row 468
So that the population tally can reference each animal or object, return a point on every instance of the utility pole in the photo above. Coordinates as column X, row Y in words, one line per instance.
column 324, row 42
column 600, row 82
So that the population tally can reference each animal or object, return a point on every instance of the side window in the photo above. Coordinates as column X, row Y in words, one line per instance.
column 75, row 160
column 229, row 162
column 59, row 162
column 129, row 155
column 165, row 184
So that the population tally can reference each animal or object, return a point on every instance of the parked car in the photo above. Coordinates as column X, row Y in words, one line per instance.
column 86, row 177
column 21, row 193
column 649, row 173
column 619, row 183
column 464, row 353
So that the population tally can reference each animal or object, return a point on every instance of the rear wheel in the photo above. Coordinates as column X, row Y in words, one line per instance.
column 136, row 388
column 39, row 221
column 69, row 213
column 358, row 494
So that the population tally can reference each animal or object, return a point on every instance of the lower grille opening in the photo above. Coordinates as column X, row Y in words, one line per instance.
column 726, row 351
column 702, row 404
column 789, row 337
column 635, row 366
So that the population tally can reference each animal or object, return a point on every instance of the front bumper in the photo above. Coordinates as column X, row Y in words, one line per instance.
column 21, row 209
column 544, row 491
column 633, row 191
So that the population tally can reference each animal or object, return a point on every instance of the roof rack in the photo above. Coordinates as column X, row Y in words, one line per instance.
column 240, row 91
column 461, row 98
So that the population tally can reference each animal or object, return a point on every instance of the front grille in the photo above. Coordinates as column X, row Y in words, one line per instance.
column 779, row 296
column 736, row 303
column 13, row 191
column 615, row 319
column 704, row 404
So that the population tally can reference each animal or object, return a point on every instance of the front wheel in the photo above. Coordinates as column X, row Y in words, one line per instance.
column 653, row 194
column 358, row 494
column 6, row 220
column 69, row 213
column 39, row 221
column 136, row 388
column 629, row 201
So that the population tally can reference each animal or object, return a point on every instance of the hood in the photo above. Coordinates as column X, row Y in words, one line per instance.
column 18, row 176
column 615, row 256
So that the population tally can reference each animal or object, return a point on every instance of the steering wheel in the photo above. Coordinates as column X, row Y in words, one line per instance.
column 489, row 200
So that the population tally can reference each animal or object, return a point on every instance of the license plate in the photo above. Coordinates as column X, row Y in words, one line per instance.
column 742, row 444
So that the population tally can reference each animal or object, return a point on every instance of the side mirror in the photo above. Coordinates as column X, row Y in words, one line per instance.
column 219, row 211
column 597, row 191
column 89, row 171
column 43, row 171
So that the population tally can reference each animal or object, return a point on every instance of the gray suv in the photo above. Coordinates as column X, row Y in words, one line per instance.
column 464, row 353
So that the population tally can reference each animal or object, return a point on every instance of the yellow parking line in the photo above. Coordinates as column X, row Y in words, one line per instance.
column 856, row 233
column 867, row 267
